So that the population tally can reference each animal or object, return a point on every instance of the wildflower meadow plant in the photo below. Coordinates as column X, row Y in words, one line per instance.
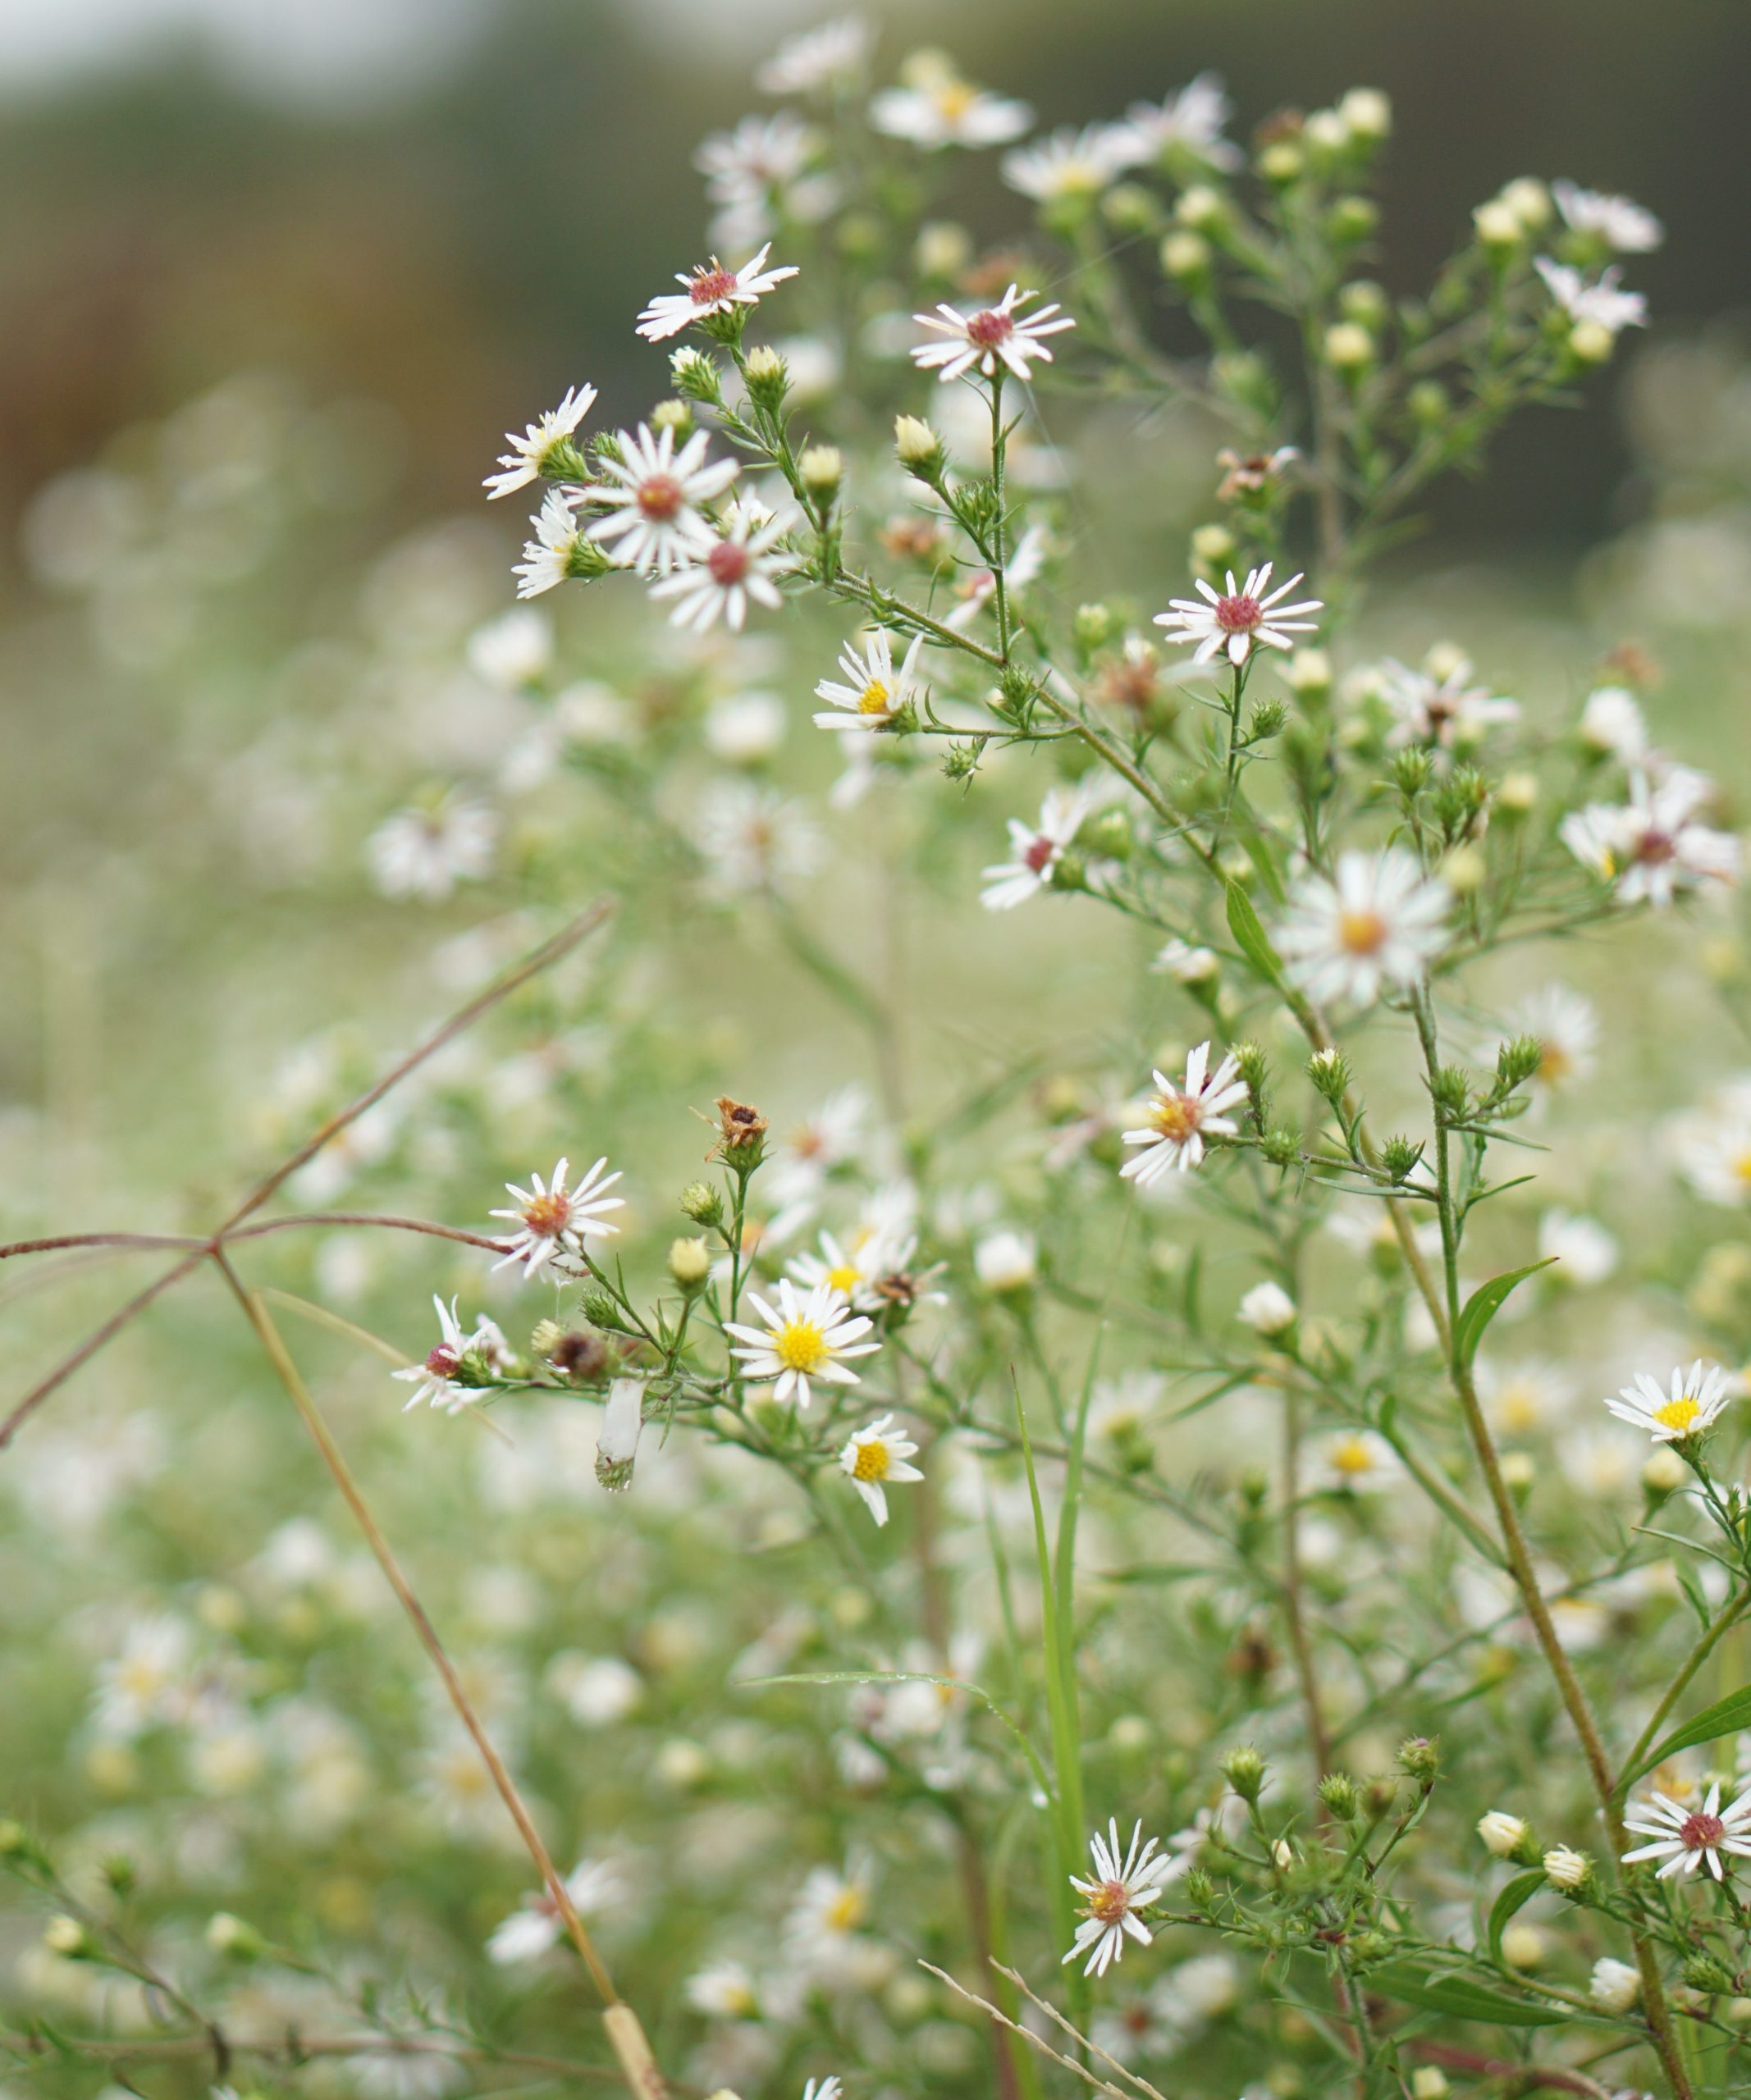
column 1225, row 1423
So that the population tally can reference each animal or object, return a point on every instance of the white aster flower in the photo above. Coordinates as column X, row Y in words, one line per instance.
column 511, row 652
column 1611, row 723
column 150, row 1681
column 1006, row 1261
column 1565, row 1026
column 710, row 289
column 1356, row 1461
column 825, row 56
column 995, row 334
column 1072, row 163
column 1186, row 965
column 873, row 692
column 1181, row 1117
column 943, row 110
column 1684, row 1838
column 1377, row 923
column 1447, row 711
column 592, row 1885
column 743, row 729
column 1244, row 617
column 1124, row 1883
column 1622, row 224
column 978, row 588
column 875, row 1455
column 1649, row 847
column 1586, row 1253
column 550, row 557
column 1502, row 1833
column 1600, row 301
column 739, row 565
column 425, row 852
column 434, row 1379
column 1035, row 850
column 753, row 838
column 804, row 1338
column 1692, row 1405
column 760, row 154
column 1614, row 1986
column 1190, row 120
column 553, row 1222
column 654, row 494
column 1713, row 1146
column 856, row 1272
column 538, row 450
column 1268, row 1309
column 724, row 1990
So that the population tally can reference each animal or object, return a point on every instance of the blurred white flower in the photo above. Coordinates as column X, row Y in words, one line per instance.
column 593, row 1886
column 1377, row 924
column 1585, row 1253
column 829, row 55
column 424, row 853
column 1629, row 228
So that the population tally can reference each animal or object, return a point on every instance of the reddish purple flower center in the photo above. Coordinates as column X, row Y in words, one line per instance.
column 1039, row 855
column 1109, row 1902
column 710, row 285
column 727, row 562
column 1653, row 848
column 989, row 328
column 443, row 1360
column 660, row 497
column 1698, row 1833
column 1238, row 615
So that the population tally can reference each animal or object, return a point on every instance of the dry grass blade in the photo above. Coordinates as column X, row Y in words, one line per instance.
column 1052, row 2012
column 1037, row 2043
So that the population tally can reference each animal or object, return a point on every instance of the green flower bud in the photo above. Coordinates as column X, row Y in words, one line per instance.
column 821, row 469
column 1244, row 1770
column 233, row 1938
column 1337, row 1791
column 1420, row 1757
column 703, row 1201
column 1093, row 627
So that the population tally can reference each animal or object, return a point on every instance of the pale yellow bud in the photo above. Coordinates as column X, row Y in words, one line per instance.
column 1498, row 224
column 1591, row 342
column 821, row 468
column 1348, row 346
column 1367, row 113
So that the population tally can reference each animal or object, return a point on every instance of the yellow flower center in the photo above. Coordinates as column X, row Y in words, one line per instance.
column 954, row 98
column 1176, row 1117
column 871, row 1462
column 1362, row 932
column 1109, row 1902
column 846, row 1910
column 1742, row 1166
column 1555, row 1064
column 1351, row 1456
column 874, row 698
column 846, row 1277
column 1677, row 1415
column 800, row 1345
column 547, row 1216
column 1517, row 1405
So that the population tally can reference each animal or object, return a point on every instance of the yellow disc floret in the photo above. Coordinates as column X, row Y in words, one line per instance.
column 800, row 1345
column 872, row 1461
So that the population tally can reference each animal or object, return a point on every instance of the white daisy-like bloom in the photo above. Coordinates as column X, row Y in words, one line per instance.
column 1713, row 1146
column 710, row 289
column 510, row 652
column 829, row 1906
column 1007, row 1261
column 524, row 462
column 1235, row 622
column 740, row 566
column 944, row 110
column 527, row 1933
column 803, row 1338
column 724, row 1990
column 1186, row 964
column 1268, row 1309
column 752, row 837
column 1614, row 1986
column 873, row 691
column 1379, row 922
column 1124, row 1881
column 654, row 495
column 547, row 559
column 553, row 1222
column 977, row 589
column 1035, row 850
column 1071, row 162
column 1648, row 846
column 853, row 1271
column 1182, row 1116
column 1190, row 120
column 1445, row 711
column 1622, row 224
column 433, row 1380
column 821, row 2088
column 1525, row 1397
column 151, row 1681
column 1686, row 1838
column 1611, row 723
column 995, row 334
column 425, row 853
column 875, row 1455
column 1565, row 1026
column 1356, row 1461
column 824, row 56
column 800, row 1164
column 1587, row 1254
column 760, row 154
column 1600, row 301
column 1693, row 1404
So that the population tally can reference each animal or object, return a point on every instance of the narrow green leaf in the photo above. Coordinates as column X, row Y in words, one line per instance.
column 1727, row 1717
column 1520, row 1890
column 1249, row 937
column 1459, row 1998
column 1483, row 1306
column 1265, row 861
